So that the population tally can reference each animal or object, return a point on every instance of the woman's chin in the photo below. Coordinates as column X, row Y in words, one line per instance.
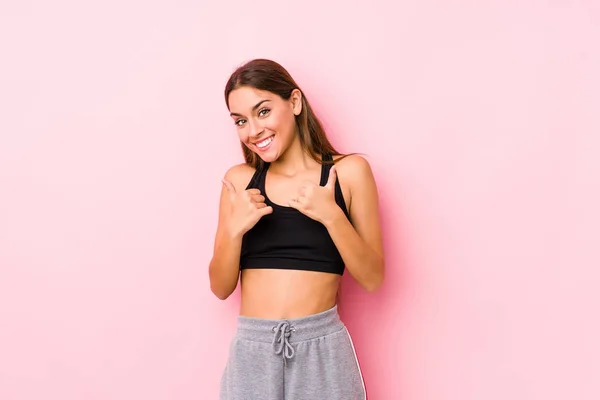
column 268, row 156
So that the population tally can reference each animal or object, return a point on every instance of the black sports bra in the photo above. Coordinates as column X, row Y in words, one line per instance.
column 288, row 239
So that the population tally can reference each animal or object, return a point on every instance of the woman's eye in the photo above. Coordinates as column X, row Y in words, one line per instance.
column 240, row 122
column 263, row 112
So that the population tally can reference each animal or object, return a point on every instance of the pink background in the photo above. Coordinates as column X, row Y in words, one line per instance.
column 481, row 122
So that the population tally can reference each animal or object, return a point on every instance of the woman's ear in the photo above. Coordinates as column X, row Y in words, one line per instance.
column 296, row 101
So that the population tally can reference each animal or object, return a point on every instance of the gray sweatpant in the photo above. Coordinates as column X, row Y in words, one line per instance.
column 309, row 358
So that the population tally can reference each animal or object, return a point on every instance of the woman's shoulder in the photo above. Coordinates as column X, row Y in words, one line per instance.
column 240, row 175
column 354, row 172
column 352, row 160
column 352, row 168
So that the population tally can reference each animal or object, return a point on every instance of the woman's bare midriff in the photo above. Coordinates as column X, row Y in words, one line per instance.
column 286, row 294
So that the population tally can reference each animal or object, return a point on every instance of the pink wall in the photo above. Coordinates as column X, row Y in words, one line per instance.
column 480, row 121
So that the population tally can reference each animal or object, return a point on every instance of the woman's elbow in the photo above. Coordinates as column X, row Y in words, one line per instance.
column 221, row 294
column 373, row 285
column 219, row 286
column 220, row 290
column 376, row 278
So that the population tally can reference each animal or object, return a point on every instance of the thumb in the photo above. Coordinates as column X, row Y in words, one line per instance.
column 265, row 210
column 332, row 177
column 228, row 186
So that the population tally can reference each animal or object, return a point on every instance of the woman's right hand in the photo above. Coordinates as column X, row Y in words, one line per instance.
column 247, row 208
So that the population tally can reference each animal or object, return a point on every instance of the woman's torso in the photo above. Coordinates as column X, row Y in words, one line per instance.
column 275, row 293
column 286, row 294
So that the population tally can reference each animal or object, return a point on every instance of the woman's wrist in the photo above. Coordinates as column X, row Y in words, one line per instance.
column 333, row 217
column 234, row 233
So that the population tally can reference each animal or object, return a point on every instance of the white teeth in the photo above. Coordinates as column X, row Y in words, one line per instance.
column 265, row 142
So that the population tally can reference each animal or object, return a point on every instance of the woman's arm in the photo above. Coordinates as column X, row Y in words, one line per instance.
column 224, row 268
column 359, row 242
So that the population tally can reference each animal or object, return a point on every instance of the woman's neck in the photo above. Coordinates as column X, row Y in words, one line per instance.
column 294, row 160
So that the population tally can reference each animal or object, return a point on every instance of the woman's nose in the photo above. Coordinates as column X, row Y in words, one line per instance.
column 255, row 128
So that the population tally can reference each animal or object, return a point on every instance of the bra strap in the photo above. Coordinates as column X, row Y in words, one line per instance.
column 325, row 168
column 258, row 178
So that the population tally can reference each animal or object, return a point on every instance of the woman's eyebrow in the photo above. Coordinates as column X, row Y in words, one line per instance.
column 253, row 108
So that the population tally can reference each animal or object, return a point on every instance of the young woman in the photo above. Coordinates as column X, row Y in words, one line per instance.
column 292, row 219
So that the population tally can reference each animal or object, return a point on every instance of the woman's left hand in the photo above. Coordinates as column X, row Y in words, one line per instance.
column 317, row 202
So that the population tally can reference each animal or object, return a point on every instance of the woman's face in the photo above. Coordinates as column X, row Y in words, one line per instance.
column 265, row 122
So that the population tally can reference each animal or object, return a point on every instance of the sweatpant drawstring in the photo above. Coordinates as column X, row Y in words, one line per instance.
column 281, row 342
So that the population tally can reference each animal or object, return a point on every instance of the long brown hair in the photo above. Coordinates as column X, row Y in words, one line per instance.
column 270, row 76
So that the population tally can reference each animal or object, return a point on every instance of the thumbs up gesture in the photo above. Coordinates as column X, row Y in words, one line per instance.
column 247, row 208
column 315, row 201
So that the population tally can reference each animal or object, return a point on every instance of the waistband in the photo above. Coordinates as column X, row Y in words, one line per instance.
column 283, row 333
